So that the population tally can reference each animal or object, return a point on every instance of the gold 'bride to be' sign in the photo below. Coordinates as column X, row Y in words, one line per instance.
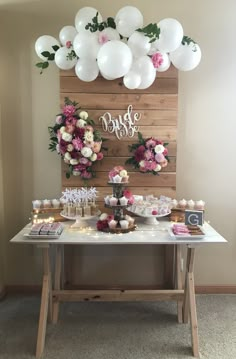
column 123, row 125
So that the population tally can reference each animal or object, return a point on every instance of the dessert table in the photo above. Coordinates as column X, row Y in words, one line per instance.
column 53, row 292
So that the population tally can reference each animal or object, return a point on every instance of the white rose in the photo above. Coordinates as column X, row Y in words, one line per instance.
column 158, row 168
column 86, row 152
column 159, row 149
column 93, row 157
column 74, row 161
column 58, row 148
column 66, row 136
column 66, row 161
column 67, row 156
column 123, row 173
column 83, row 115
column 142, row 163
column 70, row 147
column 81, row 123
column 88, row 136
column 103, row 216
column 62, row 129
column 76, row 173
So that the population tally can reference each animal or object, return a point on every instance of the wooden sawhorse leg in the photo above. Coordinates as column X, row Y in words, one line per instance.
column 57, row 282
column 189, row 305
column 178, row 280
column 46, row 303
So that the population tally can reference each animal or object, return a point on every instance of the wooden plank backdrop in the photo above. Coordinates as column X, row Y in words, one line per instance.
column 158, row 106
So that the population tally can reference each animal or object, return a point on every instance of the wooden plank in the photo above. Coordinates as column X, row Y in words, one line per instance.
column 171, row 72
column 117, row 295
column 193, row 315
column 178, row 279
column 118, row 149
column 43, row 317
column 156, row 191
column 75, row 85
column 148, row 117
column 121, row 101
column 109, row 162
column 57, row 282
column 165, row 179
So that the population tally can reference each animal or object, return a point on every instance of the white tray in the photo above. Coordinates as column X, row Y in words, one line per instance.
column 197, row 236
column 42, row 236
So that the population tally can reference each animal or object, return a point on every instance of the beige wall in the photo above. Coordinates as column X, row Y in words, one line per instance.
column 206, row 140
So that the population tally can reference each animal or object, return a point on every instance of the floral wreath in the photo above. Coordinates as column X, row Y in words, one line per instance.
column 149, row 155
column 75, row 139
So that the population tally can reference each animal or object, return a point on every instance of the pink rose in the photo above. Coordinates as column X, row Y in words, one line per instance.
column 70, row 129
column 159, row 157
column 69, row 110
column 164, row 163
column 86, row 175
column 150, row 143
column 150, row 165
column 59, row 120
column 97, row 146
column 68, row 44
column 99, row 156
column 148, row 155
column 102, row 38
column 77, row 143
column 165, row 152
column 157, row 60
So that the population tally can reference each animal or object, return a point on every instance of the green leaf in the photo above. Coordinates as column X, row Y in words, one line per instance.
column 39, row 64
column 51, row 57
column 45, row 65
column 67, row 174
column 45, row 53
column 55, row 47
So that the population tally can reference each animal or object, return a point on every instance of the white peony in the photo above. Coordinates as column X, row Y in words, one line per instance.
column 83, row 115
column 88, row 136
column 159, row 149
column 62, row 129
column 76, row 173
column 70, row 147
column 66, row 136
column 123, row 173
column 93, row 157
column 67, row 156
column 74, row 161
column 103, row 216
column 142, row 163
column 158, row 168
column 86, row 152
column 81, row 123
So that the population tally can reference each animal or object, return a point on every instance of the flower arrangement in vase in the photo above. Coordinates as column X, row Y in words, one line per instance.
column 73, row 137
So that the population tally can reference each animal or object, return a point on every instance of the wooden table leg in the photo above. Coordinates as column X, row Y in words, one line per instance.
column 192, row 301
column 168, row 267
column 178, row 281
column 186, row 292
column 46, row 303
column 57, row 282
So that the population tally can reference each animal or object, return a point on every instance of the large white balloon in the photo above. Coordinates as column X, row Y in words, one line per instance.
column 132, row 80
column 139, row 44
column 45, row 43
column 171, row 35
column 67, row 33
column 186, row 57
column 87, row 69
column 62, row 61
column 144, row 67
column 128, row 19
column 86, row 45
column 85, row 16
column 114, row 59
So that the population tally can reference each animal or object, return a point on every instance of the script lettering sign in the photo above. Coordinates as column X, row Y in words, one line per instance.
column 122, row 126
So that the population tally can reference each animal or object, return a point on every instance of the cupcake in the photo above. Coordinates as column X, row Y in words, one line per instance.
column 200, row 205
column 113, row 201
column 123, row 201
column 55, row 203
column 46, row 203
column 124, row 224
column 112, row 224
column 182, row 204
column 191, row 204
column 174, row 203
column 36, row 204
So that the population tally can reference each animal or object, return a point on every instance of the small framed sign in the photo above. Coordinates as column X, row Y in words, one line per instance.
column 193, row 218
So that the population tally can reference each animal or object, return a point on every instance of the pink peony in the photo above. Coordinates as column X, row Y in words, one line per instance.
column 165, row 152
column 79, row 132
column 71, row 121
column 159, row 157
column 148, row 155
column 157, row 60
column 86, row 175
column 102, row 38
column 77, row 143
column 69, row 110
column 164, row 163
column 63, row 146
column 150, row 165
column 70, row 129
column 139, row 153
column 150, row 143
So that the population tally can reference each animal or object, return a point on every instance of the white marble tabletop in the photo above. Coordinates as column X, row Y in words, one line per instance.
column 144, row 234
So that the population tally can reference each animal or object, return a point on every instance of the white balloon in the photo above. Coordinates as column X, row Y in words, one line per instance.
column 114, row 59
column 132, row 80
column 86, row 69
column 186, row 57
column 139, row 44
column 171, row 35
column 107, row 77
column 85, row 16
column 62, row 61
column 86, row 45
column 165, row 62
column 144, row 67
column 128, row 19
column 45, row 43
column 110, row 33
column 67, row 33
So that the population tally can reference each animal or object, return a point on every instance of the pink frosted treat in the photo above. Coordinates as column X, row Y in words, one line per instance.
column 118, row 174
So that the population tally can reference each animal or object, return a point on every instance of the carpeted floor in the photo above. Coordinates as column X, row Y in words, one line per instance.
column 119, row 330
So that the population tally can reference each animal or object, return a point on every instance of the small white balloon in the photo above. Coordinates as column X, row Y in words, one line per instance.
column 86, row 45
column 171, row 35
column 161, row 61
column 62, row 61
column 114, row 59
column 128, row 19
column 110, row 34
column 132, row 80
column 85, row 16
column 67, row 33
column 87, row 69
column 186, row 57
column 144, row 67
column 139, row 44
column 45, row 43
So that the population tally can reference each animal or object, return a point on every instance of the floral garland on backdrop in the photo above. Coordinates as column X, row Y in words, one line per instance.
column 75, row 139
column 149, row 155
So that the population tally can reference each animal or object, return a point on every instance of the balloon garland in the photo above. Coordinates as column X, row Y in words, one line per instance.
column 119, row 47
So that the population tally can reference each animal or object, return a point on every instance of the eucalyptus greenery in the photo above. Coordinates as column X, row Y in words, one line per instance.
column 99, row 26
column 50, row 57
column 187, row 40
column 152, row 31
